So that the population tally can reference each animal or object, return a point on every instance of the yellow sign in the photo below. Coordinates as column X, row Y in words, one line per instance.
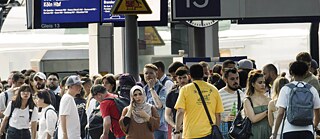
column 131, row 7
column 152, row 36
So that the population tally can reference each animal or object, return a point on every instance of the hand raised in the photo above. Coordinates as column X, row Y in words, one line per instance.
column 142, row 114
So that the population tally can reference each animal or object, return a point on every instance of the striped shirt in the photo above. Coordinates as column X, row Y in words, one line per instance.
column 228, row 99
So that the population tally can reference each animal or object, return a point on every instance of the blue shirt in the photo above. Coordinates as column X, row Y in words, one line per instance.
column 162, row 95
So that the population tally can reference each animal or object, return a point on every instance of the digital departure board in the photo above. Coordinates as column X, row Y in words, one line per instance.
column 68, row 11
column 44, row 14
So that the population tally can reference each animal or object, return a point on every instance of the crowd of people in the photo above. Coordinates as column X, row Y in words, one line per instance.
column 34, row 105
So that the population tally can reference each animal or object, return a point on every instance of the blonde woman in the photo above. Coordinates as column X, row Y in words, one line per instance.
column 272, row 109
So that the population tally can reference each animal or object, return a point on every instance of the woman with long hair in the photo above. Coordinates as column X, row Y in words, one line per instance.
column 19, row 113
column 48, row 118
column 256, row 105
column 139, row 120
column 272, row 109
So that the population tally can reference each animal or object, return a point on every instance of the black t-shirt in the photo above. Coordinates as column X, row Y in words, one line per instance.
column 81, row 105
column 171, row 101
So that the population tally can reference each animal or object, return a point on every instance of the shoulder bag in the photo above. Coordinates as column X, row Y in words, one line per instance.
column 241, row 127
column 215, row 131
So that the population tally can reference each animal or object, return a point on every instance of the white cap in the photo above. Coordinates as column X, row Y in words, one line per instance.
column 40, row 75
column 73, row 80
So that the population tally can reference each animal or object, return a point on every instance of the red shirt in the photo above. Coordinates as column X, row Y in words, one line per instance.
column 109, row 108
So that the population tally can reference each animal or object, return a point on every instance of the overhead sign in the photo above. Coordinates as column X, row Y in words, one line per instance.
column 106, row 12
column 131, row 7
column 195, row 9
column 44, row 14
column 152, row 36
column 247, row 11
column 53, row 11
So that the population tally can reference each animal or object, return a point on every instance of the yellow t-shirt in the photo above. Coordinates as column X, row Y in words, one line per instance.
column 195, row 122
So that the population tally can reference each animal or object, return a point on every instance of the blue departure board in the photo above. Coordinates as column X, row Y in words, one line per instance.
column 68, row 11
column 106, row 12
column 45, row 14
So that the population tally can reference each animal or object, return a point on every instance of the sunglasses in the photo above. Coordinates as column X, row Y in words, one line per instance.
column 140, row 94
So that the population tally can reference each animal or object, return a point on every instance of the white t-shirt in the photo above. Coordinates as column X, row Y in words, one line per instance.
column 68, row 107
column 228, row 99
column 20, row 117
column 283, row 102
column 47, row 124
column 3, row 99
column 168, row 84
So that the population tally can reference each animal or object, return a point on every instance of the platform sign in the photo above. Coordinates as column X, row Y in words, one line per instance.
column 195, row 9
column 131, row 7
column 67, row 11
column 106, row 12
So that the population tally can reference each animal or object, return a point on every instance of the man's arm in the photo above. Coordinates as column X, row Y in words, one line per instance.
column 168, row 117
column 316, row 117
column 106, row 127
column 63, row 120
column 218, row 119
column 279, row 118
column 156, row 98
column 179, row 119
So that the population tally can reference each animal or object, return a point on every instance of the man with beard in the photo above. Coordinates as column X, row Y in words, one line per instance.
column 229, row 96
column 227, row 64
column 270, row 74
column 40, row 84
column 182, row 78
column 53, row 83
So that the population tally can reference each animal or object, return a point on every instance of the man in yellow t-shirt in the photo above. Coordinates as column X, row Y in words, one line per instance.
column 190, row 109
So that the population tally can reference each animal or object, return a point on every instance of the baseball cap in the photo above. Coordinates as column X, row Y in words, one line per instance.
column 40, row 75
column 73, row 80
column 245, row 64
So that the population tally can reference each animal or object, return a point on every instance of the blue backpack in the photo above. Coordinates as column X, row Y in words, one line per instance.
column 300, row 107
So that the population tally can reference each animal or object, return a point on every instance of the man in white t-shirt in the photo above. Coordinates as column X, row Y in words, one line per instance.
column 229, row 97
column 69, row 126
column 298, row 70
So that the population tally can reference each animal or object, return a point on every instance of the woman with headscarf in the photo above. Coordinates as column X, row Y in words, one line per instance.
column 139, row 120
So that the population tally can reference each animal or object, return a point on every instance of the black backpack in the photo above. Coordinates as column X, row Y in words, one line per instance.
column 96, row 125
column 121, row 103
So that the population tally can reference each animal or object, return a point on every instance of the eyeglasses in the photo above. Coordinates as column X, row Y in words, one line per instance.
column 140, row 94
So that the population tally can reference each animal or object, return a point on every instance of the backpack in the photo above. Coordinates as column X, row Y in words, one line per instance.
column 7, row 97
column 96, row 125
column 121, row 103
column 55, row 133
column 300, row 107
